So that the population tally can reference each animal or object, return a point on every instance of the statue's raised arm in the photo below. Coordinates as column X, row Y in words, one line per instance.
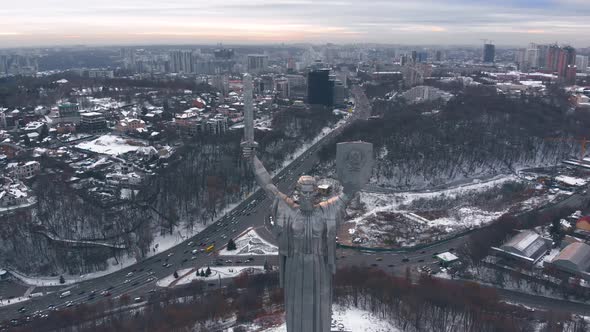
column 249, row 146
column 264, row 180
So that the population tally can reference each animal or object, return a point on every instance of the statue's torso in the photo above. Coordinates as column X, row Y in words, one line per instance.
column 302, row 233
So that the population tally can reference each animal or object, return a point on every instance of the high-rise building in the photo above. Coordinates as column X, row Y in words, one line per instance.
column 489, row 52
column 3, row 64
column 282, row 87
column 257, row 63
column 570, row 74
column 528, row 58
column 543, row 52
column 422, row 57
column 552, row 58
column 221, row 83
column 320, row 87
column 438, row 56
column 566, row 57
column 224, row 53
column 582, row 63
column 181, row 62
column 339, row 93
column 128, row 56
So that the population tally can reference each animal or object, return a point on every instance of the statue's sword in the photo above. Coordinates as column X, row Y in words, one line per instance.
column 248, row 141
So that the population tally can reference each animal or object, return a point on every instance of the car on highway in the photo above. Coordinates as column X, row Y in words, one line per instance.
column 65, row 294
column 170, row 254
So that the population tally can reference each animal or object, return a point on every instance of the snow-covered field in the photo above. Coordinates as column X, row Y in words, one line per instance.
column 352, row 319
column 112, row 145
column 410, row 218
column 250, row 244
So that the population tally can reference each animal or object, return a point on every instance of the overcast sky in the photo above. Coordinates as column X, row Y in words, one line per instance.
column 507, row 22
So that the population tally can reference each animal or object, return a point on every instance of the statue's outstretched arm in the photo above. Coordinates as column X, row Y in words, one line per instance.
column 265, row 181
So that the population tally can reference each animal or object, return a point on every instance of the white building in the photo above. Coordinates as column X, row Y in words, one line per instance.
column 14, row 195
column 128, row 125
column 24, row 170
column 582, row 63
column 425, row 93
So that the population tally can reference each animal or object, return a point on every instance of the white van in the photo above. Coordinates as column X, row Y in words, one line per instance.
column 65, row 294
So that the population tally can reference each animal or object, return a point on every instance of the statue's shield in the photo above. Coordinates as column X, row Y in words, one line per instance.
column 354, row 163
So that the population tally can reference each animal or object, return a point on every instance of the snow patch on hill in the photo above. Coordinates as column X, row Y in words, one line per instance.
column 250, row 244
column 112, row 145
column 352, row 319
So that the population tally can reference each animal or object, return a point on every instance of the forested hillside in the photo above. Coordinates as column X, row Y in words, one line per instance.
column 205, row 175
column 471, row 136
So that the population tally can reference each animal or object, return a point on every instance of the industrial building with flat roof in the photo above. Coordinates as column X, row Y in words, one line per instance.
column 573, row 259
column 527, row 247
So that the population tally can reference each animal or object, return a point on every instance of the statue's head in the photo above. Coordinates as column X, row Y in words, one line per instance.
column 306, row 185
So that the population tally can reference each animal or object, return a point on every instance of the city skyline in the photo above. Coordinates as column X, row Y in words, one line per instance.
column 65, row 22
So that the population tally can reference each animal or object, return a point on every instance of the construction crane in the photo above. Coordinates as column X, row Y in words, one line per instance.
column 583, row 141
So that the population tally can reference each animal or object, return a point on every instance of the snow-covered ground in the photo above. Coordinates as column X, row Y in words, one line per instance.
column 169, row 280
column 223, row 272
column 14, row 300
column 410, row 218
column 186, row 276
column 375, row 202
column 112, row 145
column 325, row 131
column 112, row 266
column 250, row 244
column 352, row 319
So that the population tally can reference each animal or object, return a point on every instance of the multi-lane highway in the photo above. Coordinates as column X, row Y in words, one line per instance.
column 140, row 278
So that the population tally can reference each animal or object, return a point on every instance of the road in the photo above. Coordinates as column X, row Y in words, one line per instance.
column 140, row 278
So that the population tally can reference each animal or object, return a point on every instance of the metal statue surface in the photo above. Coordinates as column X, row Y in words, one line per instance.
column 306, row 228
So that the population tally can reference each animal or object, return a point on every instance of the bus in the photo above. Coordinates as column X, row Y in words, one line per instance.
column 210, row 248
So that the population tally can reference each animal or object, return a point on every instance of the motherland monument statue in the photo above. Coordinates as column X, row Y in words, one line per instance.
column 306, row 227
